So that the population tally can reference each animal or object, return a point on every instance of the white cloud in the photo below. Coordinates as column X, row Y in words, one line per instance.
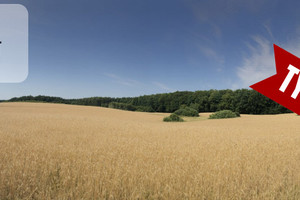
column 259, row 65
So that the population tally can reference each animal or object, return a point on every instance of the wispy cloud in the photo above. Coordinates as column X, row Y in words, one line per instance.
column 133, row 83
column 260, row 64
column 213, row 14
column 121, row 80
column 162, row 86
column 269, row 31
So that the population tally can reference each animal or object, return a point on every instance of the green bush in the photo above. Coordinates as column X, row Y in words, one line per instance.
column 224, row 114
column 173, row 118
column 187, row 111
column 237, row 114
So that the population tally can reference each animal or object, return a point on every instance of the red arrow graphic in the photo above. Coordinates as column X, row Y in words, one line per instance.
column 284, row 86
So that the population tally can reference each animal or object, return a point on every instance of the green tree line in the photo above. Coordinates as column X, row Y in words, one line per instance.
column 243, row 101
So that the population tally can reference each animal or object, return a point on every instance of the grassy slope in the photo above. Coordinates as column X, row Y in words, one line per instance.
column 60, row 151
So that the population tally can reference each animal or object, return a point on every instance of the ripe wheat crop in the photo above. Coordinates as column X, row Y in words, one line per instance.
column 52, row 151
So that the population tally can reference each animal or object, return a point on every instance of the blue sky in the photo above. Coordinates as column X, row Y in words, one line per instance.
column 134, row 47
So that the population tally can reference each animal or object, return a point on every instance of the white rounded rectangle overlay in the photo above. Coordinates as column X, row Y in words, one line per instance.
column 14, row 43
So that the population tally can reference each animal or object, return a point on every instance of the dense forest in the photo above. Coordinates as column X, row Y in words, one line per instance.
column 243, row 101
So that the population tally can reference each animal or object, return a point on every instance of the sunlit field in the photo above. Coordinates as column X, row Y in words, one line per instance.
column 53, row 151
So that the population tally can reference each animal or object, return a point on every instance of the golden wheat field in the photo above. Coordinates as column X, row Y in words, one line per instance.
column 53, row 151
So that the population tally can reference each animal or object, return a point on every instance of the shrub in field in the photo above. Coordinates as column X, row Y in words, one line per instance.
column 224, row 114
column 187, row 111
column 173, row 118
